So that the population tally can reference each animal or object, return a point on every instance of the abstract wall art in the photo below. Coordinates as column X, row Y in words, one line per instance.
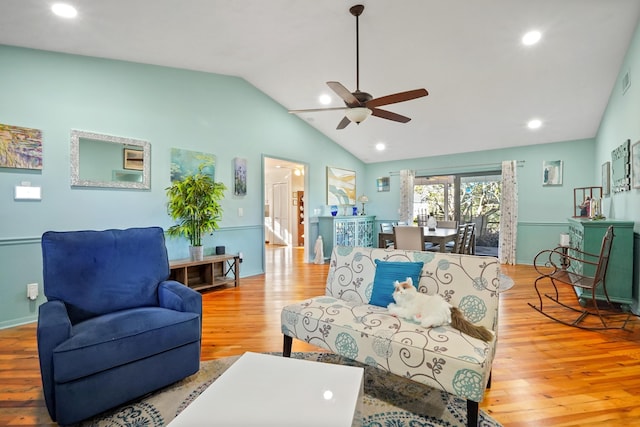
column 20, row 147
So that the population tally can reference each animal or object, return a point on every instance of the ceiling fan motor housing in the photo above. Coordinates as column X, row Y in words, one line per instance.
column 363, row 97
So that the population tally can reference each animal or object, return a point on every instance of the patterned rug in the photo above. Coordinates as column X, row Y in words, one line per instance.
column 389, row 401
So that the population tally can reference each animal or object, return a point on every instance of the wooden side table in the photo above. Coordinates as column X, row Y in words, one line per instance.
column 212, row 271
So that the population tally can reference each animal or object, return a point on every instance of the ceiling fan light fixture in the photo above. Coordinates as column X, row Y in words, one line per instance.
column 358, row 114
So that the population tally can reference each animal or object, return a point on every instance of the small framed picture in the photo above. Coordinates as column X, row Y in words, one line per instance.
column 606, row 187
column 382, row 184
column 551, row 172
column 240, row 176
column 133, row 159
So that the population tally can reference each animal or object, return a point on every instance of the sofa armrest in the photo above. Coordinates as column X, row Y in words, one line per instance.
column 54, row 327
column 176, row 296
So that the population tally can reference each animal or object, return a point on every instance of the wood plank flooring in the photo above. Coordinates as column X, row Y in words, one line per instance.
column 544, row 373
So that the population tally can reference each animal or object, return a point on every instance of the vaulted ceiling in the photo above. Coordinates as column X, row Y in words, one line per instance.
column 484, row 84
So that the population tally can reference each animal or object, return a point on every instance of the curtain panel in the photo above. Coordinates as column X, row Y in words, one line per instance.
column 407, row 178
column 509, row 214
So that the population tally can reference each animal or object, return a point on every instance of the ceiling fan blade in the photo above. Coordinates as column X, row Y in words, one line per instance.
column 313, row 110
column 343, row 123
column 384, row 114
column 344, row 93
column 397, row 97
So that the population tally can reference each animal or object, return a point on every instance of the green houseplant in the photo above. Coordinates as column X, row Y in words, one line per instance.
column 194, row 202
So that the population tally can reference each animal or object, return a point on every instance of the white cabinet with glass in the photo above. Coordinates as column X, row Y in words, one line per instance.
column 346, row 231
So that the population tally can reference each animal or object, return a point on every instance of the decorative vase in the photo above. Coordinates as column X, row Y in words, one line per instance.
column 334, row 210
column 196, row 253
column 355, row 210
column 431, row 223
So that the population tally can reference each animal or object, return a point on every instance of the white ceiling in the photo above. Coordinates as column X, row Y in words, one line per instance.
column 483, row 84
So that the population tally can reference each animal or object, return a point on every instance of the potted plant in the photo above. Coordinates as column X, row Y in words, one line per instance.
column 194, row 202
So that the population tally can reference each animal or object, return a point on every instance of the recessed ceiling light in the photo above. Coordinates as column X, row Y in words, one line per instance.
column 534, row 124
column 64, row 10
column 325, row 99
column 531, row 38
column 380, row 146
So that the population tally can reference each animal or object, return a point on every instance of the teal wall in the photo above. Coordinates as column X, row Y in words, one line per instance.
column 621, row 121
column 230, row 118
column 169, row 108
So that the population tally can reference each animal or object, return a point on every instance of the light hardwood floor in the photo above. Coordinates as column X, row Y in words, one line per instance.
column 544, row 373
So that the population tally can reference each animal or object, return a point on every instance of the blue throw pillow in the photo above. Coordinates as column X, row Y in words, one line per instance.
column 387, row 272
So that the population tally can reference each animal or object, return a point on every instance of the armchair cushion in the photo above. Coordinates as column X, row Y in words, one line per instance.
column 122, row 337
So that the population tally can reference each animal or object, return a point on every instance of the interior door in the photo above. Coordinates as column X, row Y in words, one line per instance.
column 280, row 226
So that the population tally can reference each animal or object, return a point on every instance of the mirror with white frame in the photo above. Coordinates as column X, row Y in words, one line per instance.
column 107, row 161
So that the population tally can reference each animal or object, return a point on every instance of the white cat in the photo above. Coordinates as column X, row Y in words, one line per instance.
column 432, row 311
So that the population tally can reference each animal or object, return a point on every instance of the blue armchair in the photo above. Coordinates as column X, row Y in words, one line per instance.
column 113, row 328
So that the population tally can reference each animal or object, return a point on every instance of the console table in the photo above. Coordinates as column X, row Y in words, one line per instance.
column 214, row 270
column 346, row 231
column 586, row 235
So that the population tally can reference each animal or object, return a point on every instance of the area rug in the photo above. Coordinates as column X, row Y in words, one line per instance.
column 389, row 401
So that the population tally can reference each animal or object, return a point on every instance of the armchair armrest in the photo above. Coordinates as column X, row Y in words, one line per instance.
column 176, row 296
column 54, row 327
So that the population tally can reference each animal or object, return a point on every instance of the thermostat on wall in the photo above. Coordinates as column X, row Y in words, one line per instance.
column 27, row 193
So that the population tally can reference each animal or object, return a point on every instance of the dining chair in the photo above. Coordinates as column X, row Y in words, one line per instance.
column 447, row 224
column 458, row 244
column 422, row 219
column 470, row 239
column 387, row 227
column 408, row 237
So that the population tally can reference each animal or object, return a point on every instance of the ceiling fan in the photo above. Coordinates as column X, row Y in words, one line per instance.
column 360, row 105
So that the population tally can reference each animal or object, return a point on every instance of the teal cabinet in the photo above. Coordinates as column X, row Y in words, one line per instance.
column 346, row 231
column 586, row 235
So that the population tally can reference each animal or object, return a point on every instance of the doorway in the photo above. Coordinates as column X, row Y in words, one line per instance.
column 284, row 215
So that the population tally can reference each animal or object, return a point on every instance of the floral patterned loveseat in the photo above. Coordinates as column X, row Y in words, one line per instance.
column 344, row 322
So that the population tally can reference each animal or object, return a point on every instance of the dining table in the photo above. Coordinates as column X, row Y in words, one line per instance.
column 438, row 236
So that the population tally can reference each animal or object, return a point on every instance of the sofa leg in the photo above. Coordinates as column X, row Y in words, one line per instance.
column 472, row 413
column 286, row 347
column 489, row 382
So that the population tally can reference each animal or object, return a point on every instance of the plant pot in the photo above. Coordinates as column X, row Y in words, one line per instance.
column 196, row 253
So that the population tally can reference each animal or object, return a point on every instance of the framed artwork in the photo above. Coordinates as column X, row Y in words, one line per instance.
column 606, row 167
column 635, row 165
column 186, row 162
column 383, row 183
column 240, row 176
column 552, row 172
column 20, row 148
column 341, row 186
column 133, row 159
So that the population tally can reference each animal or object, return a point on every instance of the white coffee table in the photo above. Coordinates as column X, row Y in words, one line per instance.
column 266, row 390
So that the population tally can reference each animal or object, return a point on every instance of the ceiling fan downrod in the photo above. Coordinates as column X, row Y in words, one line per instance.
column 357, row 11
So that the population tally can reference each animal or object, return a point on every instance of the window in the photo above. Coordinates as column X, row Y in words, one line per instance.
column 465, row 198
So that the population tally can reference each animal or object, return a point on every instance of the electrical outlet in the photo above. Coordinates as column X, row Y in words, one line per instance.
column 240, row 256
column 32, row 291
